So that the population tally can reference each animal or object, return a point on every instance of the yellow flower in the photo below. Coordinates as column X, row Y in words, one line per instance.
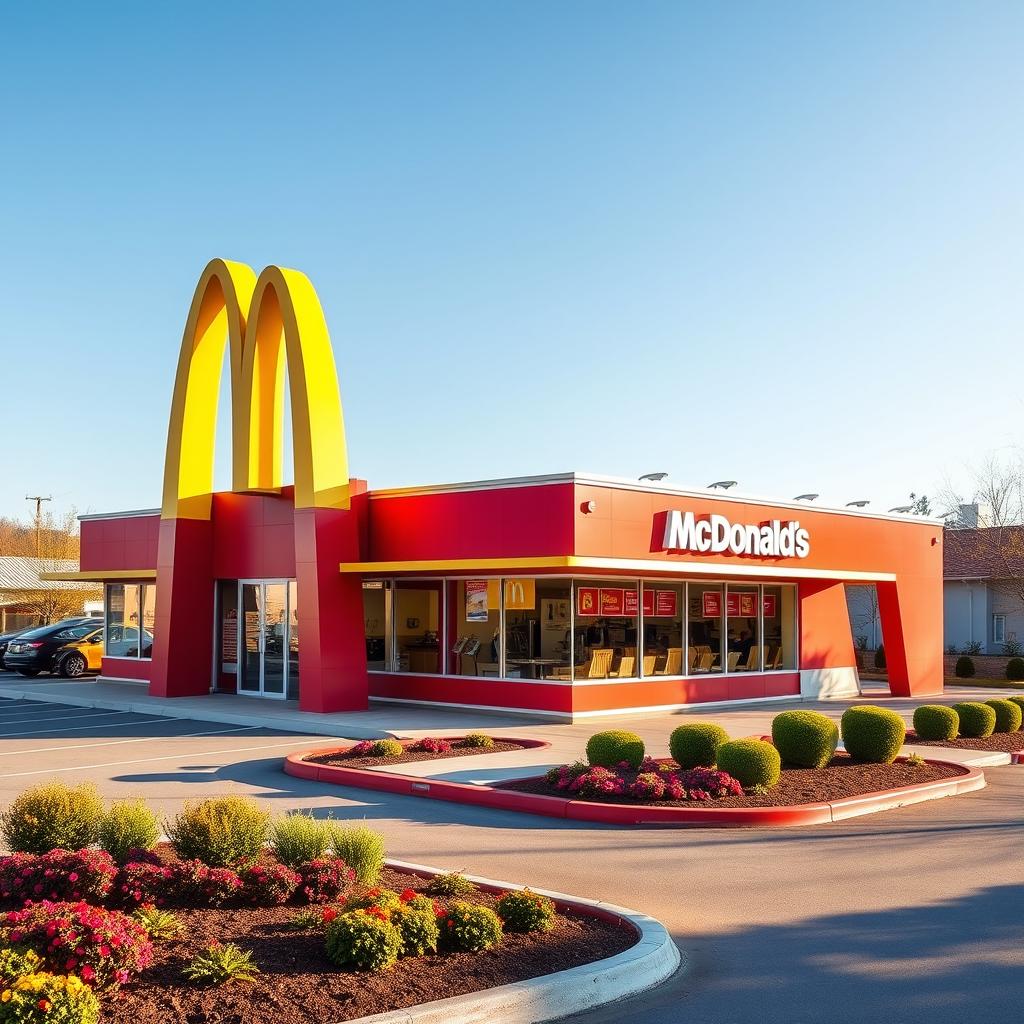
column 6, row 997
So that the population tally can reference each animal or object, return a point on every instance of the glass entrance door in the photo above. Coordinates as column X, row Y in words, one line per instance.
column 266, row 637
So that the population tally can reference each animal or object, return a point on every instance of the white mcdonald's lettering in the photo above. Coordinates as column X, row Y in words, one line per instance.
column 716, row 535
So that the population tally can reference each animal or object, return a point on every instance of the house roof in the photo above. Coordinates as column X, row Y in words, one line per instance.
column 19, row 572
column 994, row 552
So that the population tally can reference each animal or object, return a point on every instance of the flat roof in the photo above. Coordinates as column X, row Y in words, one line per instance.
column 597, row 480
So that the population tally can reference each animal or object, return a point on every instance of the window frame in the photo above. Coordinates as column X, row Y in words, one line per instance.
column 141, row 588
column 390, row 583
column 999, row 635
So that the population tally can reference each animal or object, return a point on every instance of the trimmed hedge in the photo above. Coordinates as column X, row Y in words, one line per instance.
column 1019, row 701
column 806, row 739
column 750, row 762
column 872, row 734
column 1015, row 669
column 609, row 749
column 696, row 744
column 1008, row 714
column 964, row 668
column 977, row 720
column 936, row 722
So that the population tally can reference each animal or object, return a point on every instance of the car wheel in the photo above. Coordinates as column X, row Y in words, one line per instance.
column 73, row 666
column 30, row 672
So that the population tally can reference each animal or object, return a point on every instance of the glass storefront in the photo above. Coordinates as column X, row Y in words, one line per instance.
column 557, row 629
column 129, row 613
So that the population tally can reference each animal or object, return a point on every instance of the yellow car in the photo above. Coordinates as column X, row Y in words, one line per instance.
column 84, row 654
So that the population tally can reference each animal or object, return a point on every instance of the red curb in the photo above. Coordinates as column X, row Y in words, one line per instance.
column 969, row 780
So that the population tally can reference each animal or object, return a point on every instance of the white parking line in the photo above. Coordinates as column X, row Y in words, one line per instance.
column 145, row 760
column 4, row 722
column 71, row 728
column 137, row 739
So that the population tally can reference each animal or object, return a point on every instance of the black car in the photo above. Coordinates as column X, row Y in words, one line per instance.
column 6, row 638
column 38, row 650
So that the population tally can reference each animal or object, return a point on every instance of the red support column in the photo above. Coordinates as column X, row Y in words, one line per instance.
column 332, row 643
column 183, row 626
column 828, row 664
column 911, row 612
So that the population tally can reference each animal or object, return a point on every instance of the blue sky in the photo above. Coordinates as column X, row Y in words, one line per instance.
column 779, row 243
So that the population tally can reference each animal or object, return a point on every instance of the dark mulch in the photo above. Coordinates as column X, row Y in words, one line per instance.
column 347, row 761
column 299, row 985
column 1009, row 742
column 842, row 777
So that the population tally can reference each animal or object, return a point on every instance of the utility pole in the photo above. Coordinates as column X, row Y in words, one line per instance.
column 38, row 499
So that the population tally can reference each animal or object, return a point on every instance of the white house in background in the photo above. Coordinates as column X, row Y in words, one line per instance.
column 983, row 592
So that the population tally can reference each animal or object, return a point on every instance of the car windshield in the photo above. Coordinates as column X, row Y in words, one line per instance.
column 57, row 628
column 75, row 632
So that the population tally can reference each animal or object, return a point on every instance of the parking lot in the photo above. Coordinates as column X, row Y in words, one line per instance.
column 896, row 896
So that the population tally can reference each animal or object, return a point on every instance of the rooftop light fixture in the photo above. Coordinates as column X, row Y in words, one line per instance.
column 858, row 504
column 902, row 508
column 654, row 476
column 723, row 485
column 806, row 497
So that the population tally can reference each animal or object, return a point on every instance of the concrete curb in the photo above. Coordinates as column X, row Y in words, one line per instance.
column 636, row 814
column 654, row 959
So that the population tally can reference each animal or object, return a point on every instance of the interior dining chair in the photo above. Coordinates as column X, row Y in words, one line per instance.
column 650, row 660
column 673, row 662
column 734, row 660
column 626, row 667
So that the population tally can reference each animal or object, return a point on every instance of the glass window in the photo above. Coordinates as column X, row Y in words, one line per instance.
column 705, row 614
column 663, row 605
column 779, row 606
column 538, row 628
column 375, row 618
column 743, row 651
column 147, row 606
column 607, row 622
column 999, row 629
column 417, row 617
column 474, row 627
column 122, row 621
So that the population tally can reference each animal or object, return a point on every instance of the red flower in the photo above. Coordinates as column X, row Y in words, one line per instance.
column 407, row 894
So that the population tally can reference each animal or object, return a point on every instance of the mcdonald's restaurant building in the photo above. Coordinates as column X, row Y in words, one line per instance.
column 563, row 596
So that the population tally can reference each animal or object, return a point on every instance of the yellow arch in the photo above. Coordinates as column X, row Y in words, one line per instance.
column 254, row 317
column 286, row 325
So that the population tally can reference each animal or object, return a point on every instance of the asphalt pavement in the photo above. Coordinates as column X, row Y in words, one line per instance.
column 912, row 915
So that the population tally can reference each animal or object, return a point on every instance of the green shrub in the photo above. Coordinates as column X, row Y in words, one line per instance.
column 1008, row 714
column 936, row 722
column 1015, row 669
column 52, row 816
column 362, row 849
column 872, row 734
column 750, row 762
column 298, row 838
column 450, row 885
column 386, row 899
column 977, row 720
column 477, row 739
column 805, row 738
column 612, row 748
column 159, row 924
column 387, row 748
column 525, row 911
column 16, row 962
column 880, row 657
column 915, row 760
column 363, row 941
column 127, row 826
column 469, row 928
column 54, row 998
column 219, row 964
column 1019, row 701
column 964, row 667
column 222, row 832
column 418, row 929
column 695, row 745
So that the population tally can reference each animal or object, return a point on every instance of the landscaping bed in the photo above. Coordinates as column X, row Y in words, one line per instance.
column 998, row 742
column 247, row 918
column 363, row 755
column 299, row 983
column 842, row 777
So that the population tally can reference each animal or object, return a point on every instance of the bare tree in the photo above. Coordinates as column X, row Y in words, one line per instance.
column 58, row 544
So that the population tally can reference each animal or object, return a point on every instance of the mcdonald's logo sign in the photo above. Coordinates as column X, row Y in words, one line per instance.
column 268, row 323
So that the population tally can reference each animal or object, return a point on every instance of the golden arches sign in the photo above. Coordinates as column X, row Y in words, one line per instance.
column 268, row 323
